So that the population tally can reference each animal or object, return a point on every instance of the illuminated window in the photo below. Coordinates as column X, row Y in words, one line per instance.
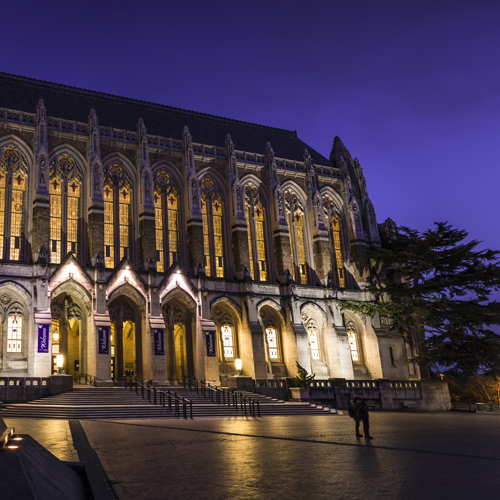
column 212, row 210
column 109, row 228
column 65, row 192
column 117, row 216
column 296, row 227
column 334, row 230
column 255, row 229
column 227, row 341
column 272, row 342
column 14, row 333
column 13, row 182
column 167, row 221
column 353, row 341
column 313, row 343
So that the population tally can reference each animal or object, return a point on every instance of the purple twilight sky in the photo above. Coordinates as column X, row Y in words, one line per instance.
column 412, row 88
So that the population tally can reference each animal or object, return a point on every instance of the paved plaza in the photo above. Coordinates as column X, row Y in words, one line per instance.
column 413, row 455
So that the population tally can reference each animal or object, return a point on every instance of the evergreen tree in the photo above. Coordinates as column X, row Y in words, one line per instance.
column 434, row 288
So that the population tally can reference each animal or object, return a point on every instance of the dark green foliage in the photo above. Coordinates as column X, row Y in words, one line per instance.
column 302, row 379
column 435, row 290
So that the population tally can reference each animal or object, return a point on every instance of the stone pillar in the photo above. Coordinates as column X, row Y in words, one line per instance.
column 282, row 251
column 147, row 236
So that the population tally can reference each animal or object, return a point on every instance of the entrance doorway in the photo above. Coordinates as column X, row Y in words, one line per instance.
column 125, row 340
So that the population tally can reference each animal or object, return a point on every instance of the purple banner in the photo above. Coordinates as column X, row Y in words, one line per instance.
column 210, row 338
column 43, row 338
column 103, row 334
column 159, row 341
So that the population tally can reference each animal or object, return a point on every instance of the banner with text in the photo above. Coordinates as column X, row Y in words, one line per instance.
column 210, row 338
column 159, row 341
column 103, row 335
column 43, row 338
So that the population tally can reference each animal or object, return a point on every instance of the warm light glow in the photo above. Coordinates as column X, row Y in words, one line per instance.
column 127, row 268
column 238, row 364
column 178, row 272
column 16, row 439
column 12, row 447
column 59, row 360
column 55, row 337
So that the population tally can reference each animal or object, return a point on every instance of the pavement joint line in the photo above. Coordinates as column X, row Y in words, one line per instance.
column 279, row 438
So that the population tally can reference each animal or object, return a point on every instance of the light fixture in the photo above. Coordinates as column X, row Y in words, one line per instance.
column 179, row 271
column 59, row 363
column 12, row 447
column 127, row 267
column 55, row 336
column 239, row 365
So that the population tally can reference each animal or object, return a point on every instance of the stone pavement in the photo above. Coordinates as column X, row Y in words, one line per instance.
column 413, row 456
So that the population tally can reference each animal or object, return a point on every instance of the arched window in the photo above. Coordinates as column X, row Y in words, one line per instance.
column 13, row 183
column 14, row 333
column 353, row 341
column 167, row 221
column 334, row 230
column 312, row 332
column 65, row 193
column 256, row 232
column 296, row 226
column 212, row 210
column 227, row 340
column 117, row 215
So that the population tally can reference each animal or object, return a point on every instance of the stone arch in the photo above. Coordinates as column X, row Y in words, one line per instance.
column 131, row 293
column 273, row 305
column 314, row 319
column 226, row 313
column 73, row 288
column 319, row 311
column 121, row 158
column 23, row 147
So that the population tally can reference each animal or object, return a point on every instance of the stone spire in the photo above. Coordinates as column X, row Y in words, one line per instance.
column 41, row 149
column 338, row 151
column 94, row 158
column 144, row 167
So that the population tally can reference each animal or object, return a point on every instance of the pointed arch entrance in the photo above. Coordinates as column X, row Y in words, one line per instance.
column 179, row 314
column 69, row 337
column 126, row 335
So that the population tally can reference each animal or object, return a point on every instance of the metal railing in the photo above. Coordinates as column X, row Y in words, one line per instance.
column 221, row 396
column 474, row 407
column 84, row 378
column 161, row 396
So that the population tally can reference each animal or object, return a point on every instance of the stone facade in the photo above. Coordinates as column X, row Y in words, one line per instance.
column 159, row 253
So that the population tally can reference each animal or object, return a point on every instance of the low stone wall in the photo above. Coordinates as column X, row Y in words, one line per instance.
column 22, row 389
column 383, row 394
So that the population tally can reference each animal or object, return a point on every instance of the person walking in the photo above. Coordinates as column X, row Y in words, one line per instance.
column 353, row 413
column 362, row 414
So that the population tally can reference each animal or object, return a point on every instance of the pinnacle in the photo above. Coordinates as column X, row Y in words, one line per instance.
column 339, row 150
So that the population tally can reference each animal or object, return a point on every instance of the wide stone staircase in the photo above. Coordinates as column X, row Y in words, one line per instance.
column 85, row 402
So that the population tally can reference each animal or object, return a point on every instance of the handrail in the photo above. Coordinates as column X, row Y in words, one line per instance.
column 222, row 396
column 161, row 396
column 89, row 379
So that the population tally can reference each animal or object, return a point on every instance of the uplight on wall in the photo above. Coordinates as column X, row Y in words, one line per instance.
column 59, row 363
column 238, row 365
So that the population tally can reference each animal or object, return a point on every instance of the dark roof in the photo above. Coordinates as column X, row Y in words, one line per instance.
column 71, row 103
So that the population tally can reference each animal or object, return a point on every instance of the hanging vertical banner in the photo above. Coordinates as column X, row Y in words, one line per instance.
column 159, row 341
column 210, row 338
column 43, row 338
column 103, row 335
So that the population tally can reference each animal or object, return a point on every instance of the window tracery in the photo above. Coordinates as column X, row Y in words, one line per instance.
column 334, row 231
column 117, row 214
column 212, row 210
column 256, row 234
column 65, row 193
column 13, row 182
column 296, row 224
column 14, row 333
column 312, row 332
column 166, row 201
column 272, row 340
column 353, row 341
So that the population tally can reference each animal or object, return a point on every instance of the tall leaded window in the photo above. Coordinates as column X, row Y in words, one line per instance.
column 212, row 210
column 312, row 332
column 296, row 227
column 117, row 215
column 13, row 183
column 65, row 193
column 334, row 230
column 272, row 341
column 352, row 334
column 166, row 220
column 227, row 340
column 256, row 231
column 14, row 333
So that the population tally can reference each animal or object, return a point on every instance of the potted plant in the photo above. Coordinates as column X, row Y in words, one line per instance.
column 301, row 383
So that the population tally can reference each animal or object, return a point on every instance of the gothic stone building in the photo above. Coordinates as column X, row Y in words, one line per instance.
column 141, row 237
